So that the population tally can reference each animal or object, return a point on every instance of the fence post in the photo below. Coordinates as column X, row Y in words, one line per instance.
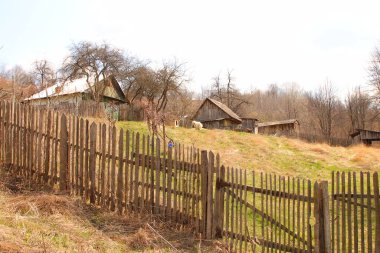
column 219, row 201
column 63, row 154
column 92, row 162
column 210, row 180
column 204, row 166
column 377, row 210
column 321, row 212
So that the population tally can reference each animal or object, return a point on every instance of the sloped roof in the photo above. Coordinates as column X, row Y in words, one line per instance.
column 372, row 133
column 280, row 122
column 248, row 116
column 71, row 87
column 224, row 108
column 59, row 89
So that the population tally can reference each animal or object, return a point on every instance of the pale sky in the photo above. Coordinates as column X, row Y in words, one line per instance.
column 263, row 42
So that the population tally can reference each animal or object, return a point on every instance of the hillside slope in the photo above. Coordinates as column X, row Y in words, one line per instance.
column 279, row 155
column 41, row 221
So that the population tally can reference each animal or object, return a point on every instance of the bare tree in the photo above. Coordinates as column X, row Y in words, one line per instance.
column 374, row 72
column 44, row 76
column 157, row 87
column 358, row 104
column 230, row 88
column 322, row 104
column 217, row 89
column 95, row 63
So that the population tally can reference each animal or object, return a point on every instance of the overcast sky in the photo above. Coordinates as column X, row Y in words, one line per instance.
column 263, row 42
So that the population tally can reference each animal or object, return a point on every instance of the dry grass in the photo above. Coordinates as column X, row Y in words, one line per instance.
column 35, row 221
column 280, row 155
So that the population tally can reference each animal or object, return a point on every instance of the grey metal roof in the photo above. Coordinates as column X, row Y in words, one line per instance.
column 280, row 122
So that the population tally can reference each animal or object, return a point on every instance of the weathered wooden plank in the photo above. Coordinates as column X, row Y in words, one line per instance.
column 245, row 226
column 344, row 231
column 113, row 168
column 362, row 224
column 137, row 172
column 298, row 215
column 131, row 172
column 147, row 173
column 63, row 159
column 120, row 185
column 39, row 143
column 356, row 228
column 227, row 208
column 210, row 178
column 377, row 212
column 86, row 161
column 169, row 184
column 143, row 182
column 77, row 150
column 303, row 216
column 126, row 175
column 175, row 207
column 152, row 173
column 157, row 178
column 349, row 222
column 231, row 248
column 47, row 148
column 92, row 162
column 369, row 216
column 254, row 211
column 55, row 160
column 309, row 235
column 193, row 178
column 333, row 212
column 338, row 228
column 198, row 168
column 103, row 166
column 240, row 206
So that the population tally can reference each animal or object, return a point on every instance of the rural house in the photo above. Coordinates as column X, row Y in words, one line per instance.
column 76, row 94
column 287, row 127
column 214, row 114
column 76, row 91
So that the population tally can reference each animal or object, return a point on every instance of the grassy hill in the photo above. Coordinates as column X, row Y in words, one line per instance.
column 39, row 221
column 273, row 154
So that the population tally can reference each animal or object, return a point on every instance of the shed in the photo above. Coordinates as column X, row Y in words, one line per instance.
column 214, row 114
column 287, row 127
column 365, row 136
column 249, row 122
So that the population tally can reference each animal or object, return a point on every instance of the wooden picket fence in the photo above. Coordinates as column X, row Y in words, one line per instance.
column 124, row 171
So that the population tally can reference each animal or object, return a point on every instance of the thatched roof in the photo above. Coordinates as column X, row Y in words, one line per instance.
column 224, row 108
column 280, row 122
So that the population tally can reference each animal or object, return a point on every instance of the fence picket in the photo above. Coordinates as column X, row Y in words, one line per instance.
column 92, row 162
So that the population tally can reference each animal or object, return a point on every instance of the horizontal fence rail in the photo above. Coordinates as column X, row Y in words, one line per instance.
column 125, row 171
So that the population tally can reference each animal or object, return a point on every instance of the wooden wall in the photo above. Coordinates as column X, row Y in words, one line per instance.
column 209, row 112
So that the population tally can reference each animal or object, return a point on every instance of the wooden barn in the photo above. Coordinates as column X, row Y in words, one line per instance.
column 365, row 136
column 214, row 114
column 286, row 127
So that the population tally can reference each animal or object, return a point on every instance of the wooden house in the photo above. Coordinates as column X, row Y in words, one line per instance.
column 77, row 91
column 286, row 127
column 214, row 114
